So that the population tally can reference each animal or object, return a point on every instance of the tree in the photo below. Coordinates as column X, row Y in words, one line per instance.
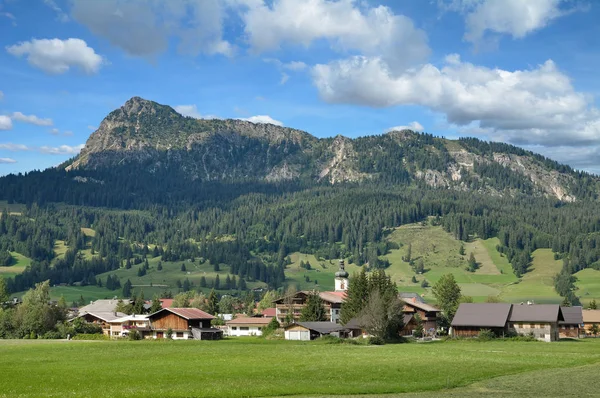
column 593, row 305
column 128, row 264
column 356, row 296
column 36, row 316
column 461, row 251
column 127, row 289
column 217, row 284
column 138, row 303
column 156, row 305
column 382, row 316
column 228, row 304
column 198, row 300
column 419, row 330
column 420, row 267
column 493, row 299
column 182, row 300
column 472, row 265
column 183, row 269
column 447, row 294
column 271, row 327
column 267, row 300
column 186, row 285
column 424, row 284
column 314, row 310
column 414, row 279
column 408, row 256
column 203, row 281
column 3, row 291
column 213, row 303
column 141, row 271
column 159, row 267
column 595, row 329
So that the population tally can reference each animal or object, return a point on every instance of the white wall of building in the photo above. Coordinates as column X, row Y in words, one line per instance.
column 244, row 330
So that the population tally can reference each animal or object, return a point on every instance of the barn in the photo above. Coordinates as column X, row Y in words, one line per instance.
column 313, row 330
column 470, row 319
column 184, row 323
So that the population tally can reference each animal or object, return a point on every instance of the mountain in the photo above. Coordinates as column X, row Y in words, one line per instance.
column 152, row 137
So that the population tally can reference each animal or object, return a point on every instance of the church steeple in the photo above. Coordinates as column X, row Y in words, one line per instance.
column 341, row 278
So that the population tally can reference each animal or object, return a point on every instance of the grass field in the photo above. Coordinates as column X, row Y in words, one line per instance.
column 252, row 367
column 588, row 284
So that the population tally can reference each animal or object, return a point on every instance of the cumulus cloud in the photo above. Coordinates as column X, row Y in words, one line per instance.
column 92, row 128
column 516, row 18
column 7, row 161
column 144, row 27
column 60, row 14
column 415, row 126
column 346, row 25
column 263, row 119
column 284, row 78
column 192, row 111
column 55, row 132
column 60, row 150
column 31, row 119
column 294, row 66
column 55, row 56
column 537, row 105
column 5, row 122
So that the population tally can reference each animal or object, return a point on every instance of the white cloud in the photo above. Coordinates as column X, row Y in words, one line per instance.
column 284, row 78
column 54, row 132
column 263, row 119
column 516, row 18
column 68, row 133
column 5, row 122
column 346, row 25
column 415, row 126
column 92, row 128
column 14, row 147
column 57, row 56
column 537, row 105
column 31, row 119
column 7, row 161
column 188, row 110
column 61, row 150
column 144, row 27
column 295, row 65
column 60, row 14
column 1, row 95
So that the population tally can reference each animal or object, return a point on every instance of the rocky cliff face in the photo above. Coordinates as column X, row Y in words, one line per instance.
column 146, row 134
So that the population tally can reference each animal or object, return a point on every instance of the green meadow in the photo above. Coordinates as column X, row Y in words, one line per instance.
column 252, row 367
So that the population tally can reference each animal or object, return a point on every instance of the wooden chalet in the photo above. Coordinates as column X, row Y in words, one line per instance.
column 332, row 301
column 102, row 319
column 184, row 323
column 590, row 318
column 428, row 314
column 572, row 326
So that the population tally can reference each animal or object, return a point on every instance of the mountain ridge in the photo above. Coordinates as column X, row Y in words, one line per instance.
column 152, row 136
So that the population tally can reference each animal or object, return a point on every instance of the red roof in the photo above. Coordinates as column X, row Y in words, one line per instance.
column 166, row 303
column 189, row 313
column 269, row 312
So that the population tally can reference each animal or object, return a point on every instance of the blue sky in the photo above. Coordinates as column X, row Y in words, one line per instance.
column 522, row 72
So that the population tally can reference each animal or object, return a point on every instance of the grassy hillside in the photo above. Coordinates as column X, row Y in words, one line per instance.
column 19, row 264
column 253, row 367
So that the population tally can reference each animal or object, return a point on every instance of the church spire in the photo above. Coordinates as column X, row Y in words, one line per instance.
column 341, row 278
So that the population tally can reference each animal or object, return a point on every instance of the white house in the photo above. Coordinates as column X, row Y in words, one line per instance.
column 121, row 327
column 247, row 326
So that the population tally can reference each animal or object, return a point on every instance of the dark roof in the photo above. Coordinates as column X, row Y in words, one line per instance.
column 407, row 318
column 353, row 324
column 572, row 315
column 536, row 313
column 493, row 315
column 410, row 296
column 420, row 305
column 187, row 313
column 322, row 327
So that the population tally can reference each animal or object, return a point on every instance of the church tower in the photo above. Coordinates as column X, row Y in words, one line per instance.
column 341, row 279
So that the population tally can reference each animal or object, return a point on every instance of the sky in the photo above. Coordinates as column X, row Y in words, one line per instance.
column 517, row 71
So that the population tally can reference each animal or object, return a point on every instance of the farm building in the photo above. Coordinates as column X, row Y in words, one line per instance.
column 571, row 326
column 247, row 326
column 590, row 318
column 314, row 330
column 184, row 323
column 427, row 313
column 470, row 319
column 539, row 320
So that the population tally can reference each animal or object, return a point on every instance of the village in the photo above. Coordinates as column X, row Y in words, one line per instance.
column 543, row 322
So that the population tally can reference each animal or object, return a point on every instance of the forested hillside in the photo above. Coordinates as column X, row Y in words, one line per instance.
column 152, row 184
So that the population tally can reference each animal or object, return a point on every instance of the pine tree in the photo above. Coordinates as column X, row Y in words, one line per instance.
column 183, row 269
column 128, row 264
column 227, row 282
column 186, row 285
column 159, row 267
column 217, row 284
column 593, row 305
column 127, row 289
column 242, row 284
column 356, row 296
column 156, row 305
column 203, row 281
column 447, row 294
column 213, row 302
column 314, row 310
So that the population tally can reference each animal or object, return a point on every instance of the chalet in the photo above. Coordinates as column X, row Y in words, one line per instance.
column 247, row 326
column 470, row 319
column 539, row 320
column 121, row 327
column 590, row 318
column 571, row 326
column 184, row 323
column 428, row 314
column 102, row 319
column 101, row 306
column 293, row 305
column 314, row 330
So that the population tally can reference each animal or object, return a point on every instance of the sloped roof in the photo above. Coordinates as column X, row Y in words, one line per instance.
column 187, row 313
column 322, row 327
column 410, row 296
column 493, row 315
column 572, row 315
column 420, row 305
column 333, row 297
column 536, row 313
column 101, row 306
column 269, row 312
column 106, row 316
column 134, row 317
column 591, row 316
column 166, row 303
column 249, row 321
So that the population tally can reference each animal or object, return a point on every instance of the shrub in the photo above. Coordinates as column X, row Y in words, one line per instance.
column 271, row 327
column 135, row 335
column 52, row 335
column 91, row 337
column 486, row 335
column 375, row 340
column 169, row 333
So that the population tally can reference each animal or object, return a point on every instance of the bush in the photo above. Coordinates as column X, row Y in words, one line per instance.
column 169, row 333
column 134, row 335
column 271, row 327
column 375, row 340
column 328, row 339
column 52, row 335
column 91, row 337
column 486, row 335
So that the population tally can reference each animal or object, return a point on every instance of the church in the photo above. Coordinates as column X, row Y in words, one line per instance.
column 332, row 300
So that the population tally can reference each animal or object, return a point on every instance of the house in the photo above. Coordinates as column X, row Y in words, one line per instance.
column 293, row 305
column 428, row 314
column 183, row 323
column 102, row 319
column 411, row 296
column 470, row 319
column 166, row 303
column 590, row 318
column 121, row 327
column 247, row 326
column 313, row 330
column 571, row 326
column 539, row 320
column 101, row 306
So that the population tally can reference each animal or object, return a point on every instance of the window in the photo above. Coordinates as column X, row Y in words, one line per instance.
column 259, row 328
column 532, row 326
column 179, row 335
column 244, row 328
